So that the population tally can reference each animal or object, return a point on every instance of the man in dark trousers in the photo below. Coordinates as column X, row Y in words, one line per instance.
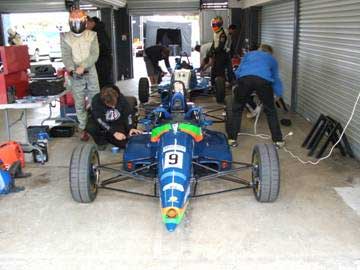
column 152, row 56
column 109, row 121
column 219, row 51
column 104, row 62
column 257, row 72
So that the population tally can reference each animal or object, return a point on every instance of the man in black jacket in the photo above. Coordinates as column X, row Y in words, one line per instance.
column 219, row 51
column 152, row 56
column 104, row 62
column 109, row 121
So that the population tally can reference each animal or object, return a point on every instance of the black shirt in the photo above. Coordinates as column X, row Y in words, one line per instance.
column 103, row 39
column 112, row 119
column 155, row 55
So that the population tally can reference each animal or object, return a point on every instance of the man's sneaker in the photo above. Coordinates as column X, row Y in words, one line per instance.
column 84, row 136
column 232, row 143
column 279, row 144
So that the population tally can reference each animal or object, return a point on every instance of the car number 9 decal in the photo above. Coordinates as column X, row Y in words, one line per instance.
column 173, row 159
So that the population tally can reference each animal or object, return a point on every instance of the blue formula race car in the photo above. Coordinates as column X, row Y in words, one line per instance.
column 195, row 85
column 176, row 154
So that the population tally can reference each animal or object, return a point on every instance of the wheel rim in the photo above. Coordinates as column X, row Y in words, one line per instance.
column 94, row 172
column 256, row 174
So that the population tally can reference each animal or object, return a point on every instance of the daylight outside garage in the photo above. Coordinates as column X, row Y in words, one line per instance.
column 174, row 138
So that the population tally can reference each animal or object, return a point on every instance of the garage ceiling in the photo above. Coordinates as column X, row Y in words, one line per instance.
column 249, row 3
column 146, row 7
column 8, row 6
column 19, row 6
column 104, row 3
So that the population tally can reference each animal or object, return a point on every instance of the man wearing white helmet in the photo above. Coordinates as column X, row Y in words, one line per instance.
column 80, row 51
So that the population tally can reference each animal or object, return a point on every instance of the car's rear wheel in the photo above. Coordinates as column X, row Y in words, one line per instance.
column 84, row 173
column 220, row 89
column 144, row 89
column 133, row 105
column 265, row 173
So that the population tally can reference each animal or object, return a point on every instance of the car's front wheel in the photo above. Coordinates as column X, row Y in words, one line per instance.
column 84, row 173
column 265, row 173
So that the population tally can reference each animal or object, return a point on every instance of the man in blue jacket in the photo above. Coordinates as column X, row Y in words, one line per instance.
column 257, row 72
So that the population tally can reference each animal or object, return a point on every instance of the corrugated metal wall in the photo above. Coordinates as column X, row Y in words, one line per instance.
column 277, row 30
column 329, row 62
column 7, row 6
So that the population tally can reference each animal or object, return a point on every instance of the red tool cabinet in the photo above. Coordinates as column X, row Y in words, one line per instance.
column 15, row 61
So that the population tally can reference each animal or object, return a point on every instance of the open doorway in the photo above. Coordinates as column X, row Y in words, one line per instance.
column 41, row 33
column 179, row 33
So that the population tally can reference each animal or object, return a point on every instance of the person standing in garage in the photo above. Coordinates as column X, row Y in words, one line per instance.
column 257, row 72
column 220, row 51
column 152, row 56
column 80, row 51
column 104, row 62
column 14, row 37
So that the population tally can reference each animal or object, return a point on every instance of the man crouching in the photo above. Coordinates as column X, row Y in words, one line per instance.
column 109, row 121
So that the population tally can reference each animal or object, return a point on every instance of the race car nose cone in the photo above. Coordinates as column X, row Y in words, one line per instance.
column 170, row 227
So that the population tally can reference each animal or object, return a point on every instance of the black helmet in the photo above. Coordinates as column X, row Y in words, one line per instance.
column 77, row 21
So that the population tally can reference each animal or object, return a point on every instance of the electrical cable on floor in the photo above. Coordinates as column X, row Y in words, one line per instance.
column 261, row 136
column 268, row 137
column 333, row 147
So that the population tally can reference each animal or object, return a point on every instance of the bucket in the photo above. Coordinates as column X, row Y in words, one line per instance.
column 10, row 152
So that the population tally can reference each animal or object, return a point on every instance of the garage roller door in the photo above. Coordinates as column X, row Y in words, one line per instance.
column 277, row 30
column 146, row 7
column 329, row 62
column 7, row 6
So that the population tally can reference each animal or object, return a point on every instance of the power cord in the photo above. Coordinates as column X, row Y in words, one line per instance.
column 261, row 136
column 333, row 147
column 268, row 137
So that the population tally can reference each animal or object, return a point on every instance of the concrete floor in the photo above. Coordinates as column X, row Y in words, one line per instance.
column 309, row 227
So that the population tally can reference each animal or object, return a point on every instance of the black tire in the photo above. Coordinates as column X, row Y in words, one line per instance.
column 220, row 89
column 133, row 105
column 144, row 90
column 84, row 176
column 265, row 173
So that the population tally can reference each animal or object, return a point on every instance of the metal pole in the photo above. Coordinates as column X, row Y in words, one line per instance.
column 295, row 55
column 25, row 124
column 7, row 126
column 114, row 46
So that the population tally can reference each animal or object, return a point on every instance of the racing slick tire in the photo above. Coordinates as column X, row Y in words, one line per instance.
column 84, row 173
column 265, row 173
column 220, row 89
column 144, row 89
column 133, row 105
